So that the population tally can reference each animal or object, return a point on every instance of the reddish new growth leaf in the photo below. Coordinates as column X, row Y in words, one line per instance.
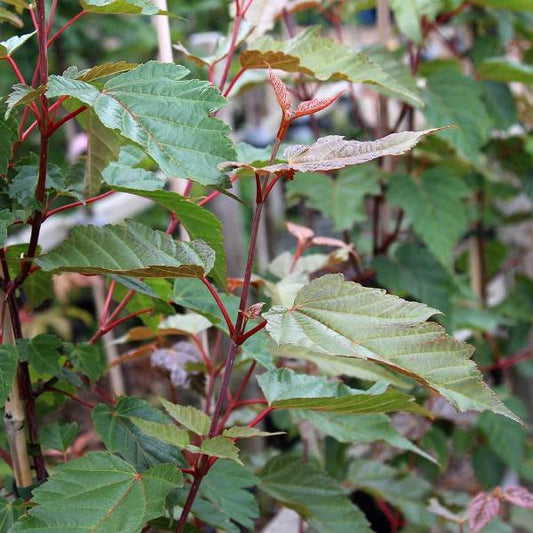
column 314, row 106
column 304, row 108
column 254, row 311
column 519, row 496
column 302, row 233
column 482, row 510
column 282, row 94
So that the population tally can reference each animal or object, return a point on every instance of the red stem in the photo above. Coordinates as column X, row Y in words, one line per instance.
column 231, row 51
column 16, row 70
column 220, row 304
column 67, row 25
column 77, row 204
column 73, row 397
column 70, row 116
column 107, row 304
column 252, row 332
column 234, row 81
column 203, row 353
column 260, row 417
column 253, row 401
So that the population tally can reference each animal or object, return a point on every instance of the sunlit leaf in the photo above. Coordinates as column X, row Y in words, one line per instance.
column 188, row 416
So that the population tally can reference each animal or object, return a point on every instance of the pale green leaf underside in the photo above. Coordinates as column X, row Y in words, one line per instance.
column 325, row 59
column 130, row 250
column 99, row 493
column 10, row 45
column 245, row 432
column 168, row 116
column 341, row 318
column 222, row 447
column 285, row 389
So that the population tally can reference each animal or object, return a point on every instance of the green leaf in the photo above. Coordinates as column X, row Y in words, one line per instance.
column 103, row 146
column 131, row 250
column 42, row 352
column 166, row 432
column 8, row 369
column 221, row 447
column 407, row 492
column 9, row 135
column 285, row 389
column 453, row 98
column 8, row 16
column 312, row 494
column 325, row 59
column 409, row 13
column 10, row 512
column 38, row 287
column 188, row 416
column 344, row 319
column 193, row 295
column 225, row 486
column 10, row 45
column 130, row 7
column 87, row 358
column 6, row 219
column 435, row 207
column 245, row 432
column 21, row 95
column 125, row 172
column 341, row 200
column 99, row 71
column 511, row 5
column 58, row 436
column 100, row 493
column 501, row 104
column 505, row 70
column 414, row 270
column 169, row 117
column 120, row 434
column 198, row 221
column 360, row 428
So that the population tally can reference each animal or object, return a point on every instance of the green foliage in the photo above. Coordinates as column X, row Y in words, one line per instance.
column 325, row 59
column 335, row 317
column 120, row 434
column 311, row 493
column 87, row 358
column 137, row 251
column 341, row 200
column 143, row 7
column 225, row 486
column 169, row 117
column 503, row 70
column 100, row 492
column 42, row 352
column 435, row 207
column 58, row 436
column 186, row 415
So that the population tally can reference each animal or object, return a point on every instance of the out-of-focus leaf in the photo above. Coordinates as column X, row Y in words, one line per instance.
column 8, row 368
column 482, row 510
column 312, row 494
column 136, row 7
column 58, row 436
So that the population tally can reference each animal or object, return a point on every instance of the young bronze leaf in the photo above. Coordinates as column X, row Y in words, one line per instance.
column 482, row 509
column 282, row 93
column 340, row 318
column 129, row 250
column 314, row 106
column 519, row 496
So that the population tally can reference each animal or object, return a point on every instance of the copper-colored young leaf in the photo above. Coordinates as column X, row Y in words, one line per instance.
column 482, row 509
column 282, row 93
column 302, row 233
column 519, row 496
column 314, row 106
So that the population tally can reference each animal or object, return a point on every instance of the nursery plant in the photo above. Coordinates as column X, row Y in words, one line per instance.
column 347, row 357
